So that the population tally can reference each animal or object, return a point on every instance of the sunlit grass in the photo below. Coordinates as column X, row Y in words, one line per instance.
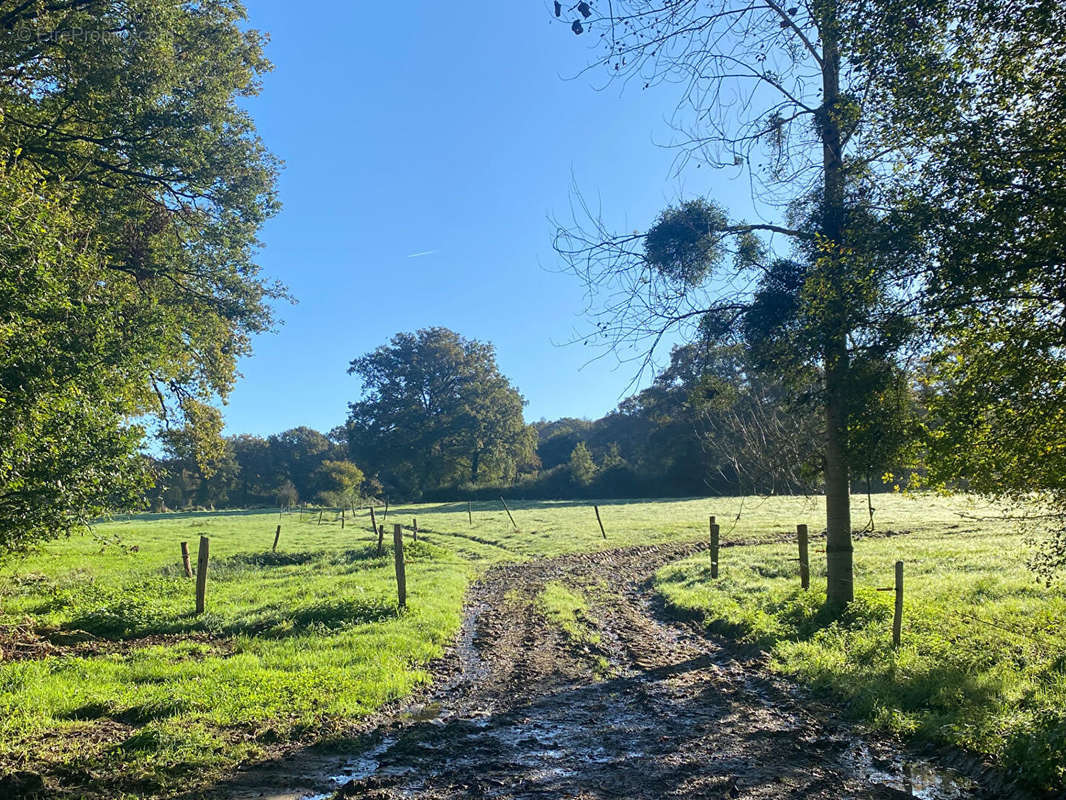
column 297, row 644
column 291, row 643
column 983, row 658
column 567, row 608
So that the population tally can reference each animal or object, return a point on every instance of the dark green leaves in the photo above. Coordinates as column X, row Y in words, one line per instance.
column 685, row 243
column 436, row 411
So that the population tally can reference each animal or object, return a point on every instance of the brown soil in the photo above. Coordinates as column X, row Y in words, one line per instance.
column 521, row 711
column 27, row 642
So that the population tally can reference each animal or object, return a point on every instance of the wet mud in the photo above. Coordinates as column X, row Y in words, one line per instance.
column 654, row 709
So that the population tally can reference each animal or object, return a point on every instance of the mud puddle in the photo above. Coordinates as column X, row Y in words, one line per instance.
column 520, row 712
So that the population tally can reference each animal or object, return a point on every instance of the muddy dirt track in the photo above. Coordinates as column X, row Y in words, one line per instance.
column 655, row 710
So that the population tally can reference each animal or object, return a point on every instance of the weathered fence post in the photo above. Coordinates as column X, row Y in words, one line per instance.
column 320, row 516
column 469, row 513
column 505, row 508
column 401, row 573
column 277, row 536
column 597, row 508
column 897, row 620
column 805, row 558
column 342, row 518
column 414, row 527
column 373, row 522
column 714, row 548
column 201, row 574
column 381, row 539
column 185, row 562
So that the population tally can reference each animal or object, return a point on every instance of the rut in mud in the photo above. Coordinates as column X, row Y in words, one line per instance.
column 653, row 710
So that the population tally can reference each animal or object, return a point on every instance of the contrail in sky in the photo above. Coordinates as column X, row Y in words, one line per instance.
column 423, row 253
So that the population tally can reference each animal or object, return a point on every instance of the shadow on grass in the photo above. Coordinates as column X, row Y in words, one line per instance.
column 136, row 716
column 241, row 564
column 123, row 621
column 180, row 515
column 460, row 507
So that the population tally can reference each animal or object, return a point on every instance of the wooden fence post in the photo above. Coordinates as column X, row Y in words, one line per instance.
column 597, row 508
column 277, row 535
column 414, row 527
column 342, row 518
column 381, row 539
column 201, row 574
column 897, row 620
column 373, row 522
column 505, row 508
column 805, row 558
column 185, row 562
column 320, row 516
column 469, row 513
column 714, row 549
column 401, row 573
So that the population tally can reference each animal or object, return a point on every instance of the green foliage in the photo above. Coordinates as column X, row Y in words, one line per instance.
column 436, row 411
column 710, row 422
column 997, row 404
column 994, row 194
column 685, row 243
column 297, row 455
column 67, row 448
column 996, row 397
column 340, row 483
column 132, row 190
column 582, row 467
column 200, row 470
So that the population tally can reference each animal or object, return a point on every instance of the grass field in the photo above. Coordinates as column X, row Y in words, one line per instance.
column 120, row 678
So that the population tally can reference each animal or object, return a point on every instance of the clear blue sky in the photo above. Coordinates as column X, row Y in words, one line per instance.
column 453, row 130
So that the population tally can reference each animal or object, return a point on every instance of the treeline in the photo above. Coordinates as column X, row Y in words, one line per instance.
column 439, row 422
column 296, row 466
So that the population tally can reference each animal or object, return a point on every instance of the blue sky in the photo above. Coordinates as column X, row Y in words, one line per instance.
column 454, row 132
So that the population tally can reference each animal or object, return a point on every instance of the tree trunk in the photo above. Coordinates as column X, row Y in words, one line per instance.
column 838, row 548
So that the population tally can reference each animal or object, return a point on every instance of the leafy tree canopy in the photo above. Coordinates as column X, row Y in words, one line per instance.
column 437, row 411
column 132, row 189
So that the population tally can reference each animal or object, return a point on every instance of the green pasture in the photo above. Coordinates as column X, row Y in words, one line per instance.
column 140, row 697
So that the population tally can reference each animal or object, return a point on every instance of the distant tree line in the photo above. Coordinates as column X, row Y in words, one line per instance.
column 299, row 465
column 438, row 421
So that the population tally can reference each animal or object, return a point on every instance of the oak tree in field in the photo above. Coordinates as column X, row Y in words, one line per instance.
column 813, row 104
column 132, row 188
column 436, row 411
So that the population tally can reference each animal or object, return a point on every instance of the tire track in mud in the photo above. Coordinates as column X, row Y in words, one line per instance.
column 518, row 711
